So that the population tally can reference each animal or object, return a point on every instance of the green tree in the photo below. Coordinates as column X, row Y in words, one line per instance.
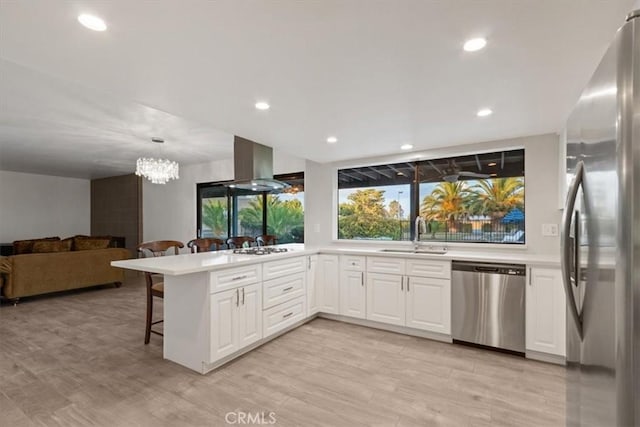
column 496, row 197
column 447, row 202
column 285, row 219
column 364, row 216
column 214, row 216
column 395, row 210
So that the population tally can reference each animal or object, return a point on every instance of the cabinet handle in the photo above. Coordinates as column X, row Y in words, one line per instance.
column 530, row 276
column 362, row 278
column 242, row 296
column 287, row 315
column 402, row 283
column 308, row 263
column 287, row 289
column 408, row 289
column 237, row 297
column 239, row 277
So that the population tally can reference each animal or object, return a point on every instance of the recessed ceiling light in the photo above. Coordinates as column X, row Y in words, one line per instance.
column 492, row 164
column 484, row 112
column 406, row 147
column 92, row 22
column 473, row 45
column 262, row 105
column 332, row 140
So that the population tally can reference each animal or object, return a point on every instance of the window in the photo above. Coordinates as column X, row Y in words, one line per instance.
column 475, row 198
column 224, row 212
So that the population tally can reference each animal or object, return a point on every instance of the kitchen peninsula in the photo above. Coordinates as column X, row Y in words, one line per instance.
column 220, row 305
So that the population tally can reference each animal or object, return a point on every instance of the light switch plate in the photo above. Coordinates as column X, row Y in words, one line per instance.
column 550, row 230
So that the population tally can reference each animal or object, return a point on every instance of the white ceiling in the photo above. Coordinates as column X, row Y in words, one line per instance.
column 375, row 73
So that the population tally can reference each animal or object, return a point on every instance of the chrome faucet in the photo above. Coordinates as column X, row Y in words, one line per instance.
column 420, row 227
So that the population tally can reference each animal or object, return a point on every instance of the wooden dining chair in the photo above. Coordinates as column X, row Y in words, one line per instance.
column 155, row 288
column 239, row 241
column 266, row 240
column 205, row 244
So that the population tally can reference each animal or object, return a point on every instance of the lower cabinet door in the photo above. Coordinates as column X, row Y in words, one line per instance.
column 249, row 315
column 313, row 296
column 429, row 304
column 352, row 294
column 328, row 281
column 386, row 298
column 224, row 323
column 545, row 312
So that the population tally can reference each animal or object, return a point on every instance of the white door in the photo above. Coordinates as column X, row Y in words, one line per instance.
column 224, row 323
column 313, row 296
column 352, row 294
column 249, row 315
column 329, row 283
column 545, row 312
column 429, row 304
column 386, row 298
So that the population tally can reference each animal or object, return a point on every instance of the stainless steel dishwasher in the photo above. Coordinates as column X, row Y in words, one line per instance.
column 488, row 304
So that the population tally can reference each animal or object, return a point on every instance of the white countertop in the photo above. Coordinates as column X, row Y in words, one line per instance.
column 176, row 265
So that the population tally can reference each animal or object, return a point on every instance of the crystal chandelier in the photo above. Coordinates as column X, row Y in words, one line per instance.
column 158, row 171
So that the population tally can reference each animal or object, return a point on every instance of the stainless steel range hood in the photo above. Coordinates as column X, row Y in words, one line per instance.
column 253, row 167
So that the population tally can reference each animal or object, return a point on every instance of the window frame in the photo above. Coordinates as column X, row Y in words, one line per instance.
column 232, row 205
column 414, row 208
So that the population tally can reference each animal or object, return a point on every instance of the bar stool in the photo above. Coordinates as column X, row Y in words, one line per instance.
column 266, row 240
column 239, row 241
column 205, row 244
column 155, row 248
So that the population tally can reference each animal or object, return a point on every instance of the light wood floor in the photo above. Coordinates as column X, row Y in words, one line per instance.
column 79, row 360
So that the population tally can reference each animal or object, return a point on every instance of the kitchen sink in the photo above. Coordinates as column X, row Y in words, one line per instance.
column 433, row 251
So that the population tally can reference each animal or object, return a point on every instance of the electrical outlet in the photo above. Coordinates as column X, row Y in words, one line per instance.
column 550, row 230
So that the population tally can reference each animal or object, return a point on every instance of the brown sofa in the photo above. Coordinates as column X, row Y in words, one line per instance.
column 40, row 273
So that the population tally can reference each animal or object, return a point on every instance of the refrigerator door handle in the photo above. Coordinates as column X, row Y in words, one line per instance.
column 566, row 249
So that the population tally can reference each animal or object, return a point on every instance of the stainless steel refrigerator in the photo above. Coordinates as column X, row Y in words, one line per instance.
column 601, row 240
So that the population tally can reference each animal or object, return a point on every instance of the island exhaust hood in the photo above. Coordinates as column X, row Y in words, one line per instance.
column 253, row 167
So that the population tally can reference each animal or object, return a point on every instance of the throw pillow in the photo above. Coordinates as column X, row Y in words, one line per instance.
column 68, row 243
column 26, row 246
column 47, row 246
column 87, row 244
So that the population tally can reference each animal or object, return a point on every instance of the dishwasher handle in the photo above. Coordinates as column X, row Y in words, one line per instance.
column 486, row 269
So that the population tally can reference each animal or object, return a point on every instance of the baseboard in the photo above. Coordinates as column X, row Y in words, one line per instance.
column 385, row 327
column 545, row 357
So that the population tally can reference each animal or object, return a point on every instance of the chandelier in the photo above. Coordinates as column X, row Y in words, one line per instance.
column 158, row 171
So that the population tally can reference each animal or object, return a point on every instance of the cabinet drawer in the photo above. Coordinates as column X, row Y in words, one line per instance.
column 234, row 277
column 283, row 267
column 282, row 289
column 352, row 262
column 281, row 316
column 385, row 265
column 429, row 268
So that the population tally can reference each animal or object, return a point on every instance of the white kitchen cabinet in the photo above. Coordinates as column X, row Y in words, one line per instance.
column 313, row 290
column 545, row 312
column 328, row 281
column 429, row 304
column 417, row 295
column 236, row 320
column 386, row 298
column 353, row 296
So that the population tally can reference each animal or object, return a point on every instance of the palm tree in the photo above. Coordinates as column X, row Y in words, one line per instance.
column 283, row 218
column 447, row 202
column 214, row 216
column 496, row 197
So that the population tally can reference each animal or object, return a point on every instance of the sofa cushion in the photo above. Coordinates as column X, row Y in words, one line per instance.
column 46, row 246
column 86, row 244
column 26, row 246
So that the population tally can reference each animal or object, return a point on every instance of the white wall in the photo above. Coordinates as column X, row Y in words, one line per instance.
column 541, row 193
column 169, row 211
column 33, row 206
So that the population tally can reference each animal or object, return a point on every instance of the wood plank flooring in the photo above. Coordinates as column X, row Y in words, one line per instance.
column 78, row 359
